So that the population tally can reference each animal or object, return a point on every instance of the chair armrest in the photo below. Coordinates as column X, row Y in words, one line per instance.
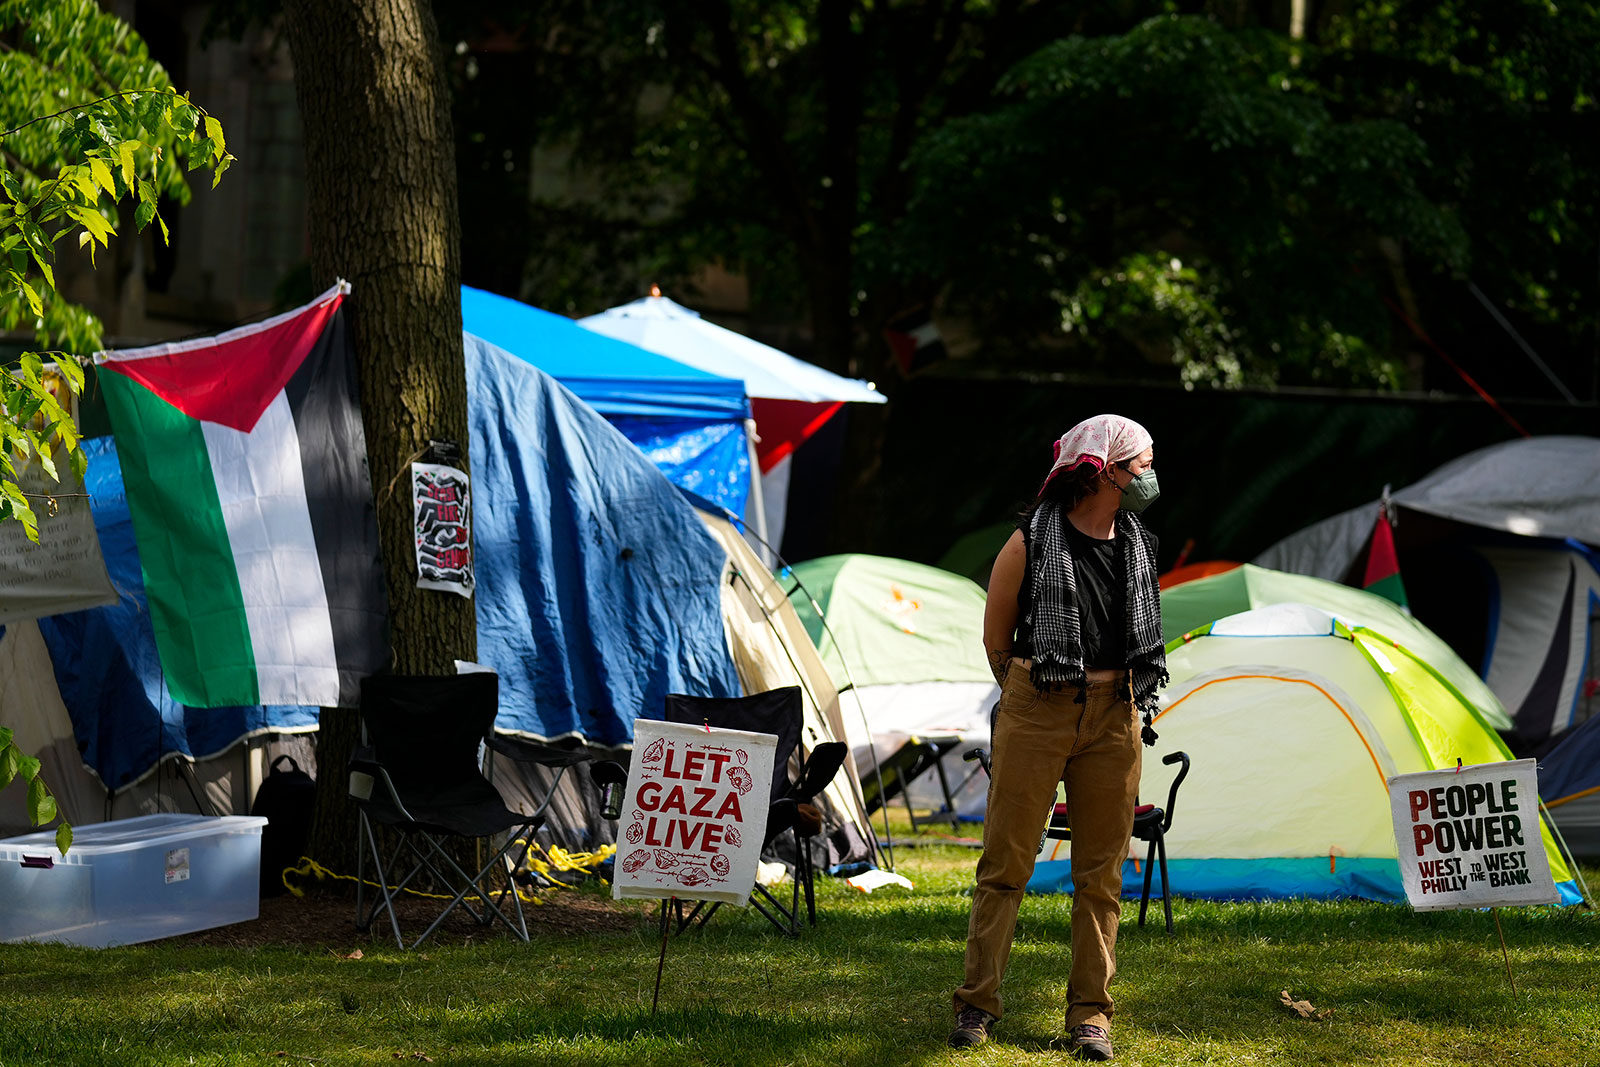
column 365, row 774
column 1172, row 794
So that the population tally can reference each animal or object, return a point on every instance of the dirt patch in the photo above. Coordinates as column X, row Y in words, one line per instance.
column 325, row 918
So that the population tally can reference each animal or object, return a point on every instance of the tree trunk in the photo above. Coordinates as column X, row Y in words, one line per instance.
column 380, row 173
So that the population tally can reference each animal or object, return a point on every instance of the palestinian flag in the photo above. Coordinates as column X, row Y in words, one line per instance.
column 915, row 340
column 1383, row 563
column 245, row 467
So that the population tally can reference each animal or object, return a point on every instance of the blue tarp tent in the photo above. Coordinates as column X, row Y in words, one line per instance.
column 108, row 672
column 598, row 587
column 690, row 423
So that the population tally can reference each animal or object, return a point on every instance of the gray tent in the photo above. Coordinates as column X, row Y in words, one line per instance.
column 1498, row 552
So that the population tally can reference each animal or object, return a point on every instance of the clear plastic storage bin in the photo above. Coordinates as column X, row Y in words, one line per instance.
column 132, row 880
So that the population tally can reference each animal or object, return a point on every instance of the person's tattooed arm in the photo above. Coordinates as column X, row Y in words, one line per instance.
column 999, row 660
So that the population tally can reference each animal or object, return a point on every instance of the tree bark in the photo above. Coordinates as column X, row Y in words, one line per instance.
column 382, row 213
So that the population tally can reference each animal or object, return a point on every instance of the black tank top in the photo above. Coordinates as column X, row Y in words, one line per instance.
column 1102, row 601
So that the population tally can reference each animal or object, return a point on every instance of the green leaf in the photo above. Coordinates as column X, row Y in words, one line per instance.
column 45, row 459
column 222, row 168
column 5, row 736
column 151, row 107
column 200, row 154
column 41, row 805
column 64, row 837
column 9, row 755
column 32, row 297
column 38, row 243
column 143, row 214
column 9, row 184
column 18, row 507
column 125, row 157
column 183, row 117
column 214, row 135
column 72, row 373
column 102, row 175
column 79, row 463
column 27, row 767
column 83, row 180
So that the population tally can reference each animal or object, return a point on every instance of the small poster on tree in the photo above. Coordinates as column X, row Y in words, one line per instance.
column 442, row 502
column 694, row 814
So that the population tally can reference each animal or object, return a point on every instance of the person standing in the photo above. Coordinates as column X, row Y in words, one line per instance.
column 1073, row 632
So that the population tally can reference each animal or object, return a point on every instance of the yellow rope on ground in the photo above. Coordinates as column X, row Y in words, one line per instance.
column 309, row 866
column 543, row 860
column 539, row 859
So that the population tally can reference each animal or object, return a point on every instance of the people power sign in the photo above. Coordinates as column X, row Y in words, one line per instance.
column 694, row 814
column 1469, row 837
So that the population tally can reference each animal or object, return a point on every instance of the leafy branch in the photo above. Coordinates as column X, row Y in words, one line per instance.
column 129, row 139
column 119, row 140
column 15, row 764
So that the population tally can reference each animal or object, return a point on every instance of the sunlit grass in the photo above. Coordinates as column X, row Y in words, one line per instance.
column 869, row 986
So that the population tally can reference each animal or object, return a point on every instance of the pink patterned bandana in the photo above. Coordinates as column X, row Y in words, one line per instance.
column 1098, row 441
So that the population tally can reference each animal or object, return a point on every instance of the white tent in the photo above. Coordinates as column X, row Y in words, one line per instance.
column 789, row 397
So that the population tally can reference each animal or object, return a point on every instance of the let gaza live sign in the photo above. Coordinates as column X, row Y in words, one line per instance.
column 1469, row 837
column 694, row 814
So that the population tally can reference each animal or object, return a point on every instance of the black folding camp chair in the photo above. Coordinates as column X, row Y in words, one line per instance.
column 1150, row 823
column 910, row 761
column 777, row 712
column 418, row 773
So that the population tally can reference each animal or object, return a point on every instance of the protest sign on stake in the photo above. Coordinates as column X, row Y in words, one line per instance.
column 1468, row 837
column 693, row 816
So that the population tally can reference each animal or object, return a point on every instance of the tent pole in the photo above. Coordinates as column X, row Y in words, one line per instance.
column 758, row 501
column 886, row 849
column 1561, row 842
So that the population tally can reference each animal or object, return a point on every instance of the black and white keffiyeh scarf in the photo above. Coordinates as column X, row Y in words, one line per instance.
column 1053, row 614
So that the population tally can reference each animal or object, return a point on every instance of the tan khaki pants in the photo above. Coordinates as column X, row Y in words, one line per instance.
column 1041, row 738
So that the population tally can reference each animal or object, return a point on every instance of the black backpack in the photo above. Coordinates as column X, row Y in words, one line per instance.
column 285, row 798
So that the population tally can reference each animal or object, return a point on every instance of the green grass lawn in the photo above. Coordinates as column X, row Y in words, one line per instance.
column 870, row 986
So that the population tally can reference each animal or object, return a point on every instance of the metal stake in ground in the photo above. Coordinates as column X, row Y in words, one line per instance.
column 662, row 962
column 1503, row 951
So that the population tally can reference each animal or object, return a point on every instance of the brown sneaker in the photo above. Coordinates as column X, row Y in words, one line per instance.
column 972, row 1027
column 1090, row 1042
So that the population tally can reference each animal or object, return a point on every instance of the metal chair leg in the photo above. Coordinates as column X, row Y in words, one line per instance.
column 1149, row 869
column 1166, row 886
column 809, row 869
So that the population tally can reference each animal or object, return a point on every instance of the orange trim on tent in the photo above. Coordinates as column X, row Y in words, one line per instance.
column 1581, row 793
column 1298, row 681
column 1190, row 571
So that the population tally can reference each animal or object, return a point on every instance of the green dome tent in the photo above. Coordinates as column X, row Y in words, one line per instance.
column 911, row 637
column 1294, row 722
column 1190, row 605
